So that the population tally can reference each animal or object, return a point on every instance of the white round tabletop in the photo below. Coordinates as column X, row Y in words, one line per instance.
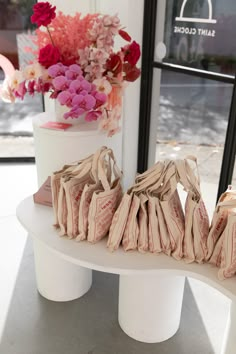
column 38, row 221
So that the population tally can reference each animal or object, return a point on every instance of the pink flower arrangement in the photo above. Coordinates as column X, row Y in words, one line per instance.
column 77, row 64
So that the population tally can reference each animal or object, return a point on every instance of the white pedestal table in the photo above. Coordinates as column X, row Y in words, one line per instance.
column 150, row 289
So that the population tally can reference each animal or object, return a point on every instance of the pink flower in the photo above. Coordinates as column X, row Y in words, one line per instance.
column 93, row 115
column 31, row 87
column 42, row 86
column 86, row 102
column 75, row 112
column 60, row 83
column 103, row 85
column 75, row 86
column 101, row 98
column 65, row 98
column 7, row 94
column 21, row 90
column 75, row 68
column 56, row 70
column 44, row 13
column 48, row 55
column 132, row 53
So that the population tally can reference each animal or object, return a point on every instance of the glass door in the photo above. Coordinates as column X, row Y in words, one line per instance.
column 189, row 84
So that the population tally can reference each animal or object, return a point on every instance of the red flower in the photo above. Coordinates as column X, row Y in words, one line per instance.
column 125, row 35
column 132, row 53
column 131, row 72
column 114, row 64
column 44, row 13
column 48, row 55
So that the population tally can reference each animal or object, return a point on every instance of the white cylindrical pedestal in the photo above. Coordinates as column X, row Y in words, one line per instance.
column 150, row 306
column 229, row 344
column 54, row 148
column 57, row 279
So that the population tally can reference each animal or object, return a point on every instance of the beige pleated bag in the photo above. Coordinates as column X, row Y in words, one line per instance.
column 55, row 187
column 196, row 217
column 158, row 232
column 224, row 217
column 171, row 212
column 148, row 184
column 67, row 185
column 89, row 190
column 71, row 187
column 125, row 226
column 228, row 254
column 104, row 203
column 219, row 220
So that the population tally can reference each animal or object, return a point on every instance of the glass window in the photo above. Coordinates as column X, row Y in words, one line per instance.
column 16, row 33
column 199, row 33
column 191, row 113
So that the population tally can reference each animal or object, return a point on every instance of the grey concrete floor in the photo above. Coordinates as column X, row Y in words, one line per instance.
column 35, row 325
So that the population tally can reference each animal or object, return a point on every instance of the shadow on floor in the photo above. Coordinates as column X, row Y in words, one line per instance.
column 88, row 325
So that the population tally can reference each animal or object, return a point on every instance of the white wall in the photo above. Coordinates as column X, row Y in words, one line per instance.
column 130, row 13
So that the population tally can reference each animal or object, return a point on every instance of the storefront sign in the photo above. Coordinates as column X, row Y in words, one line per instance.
column 193, row 19
column 195, row 31
column 191, row 30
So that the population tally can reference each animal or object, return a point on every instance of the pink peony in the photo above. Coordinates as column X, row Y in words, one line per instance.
column 48, row 55
column 44, row 13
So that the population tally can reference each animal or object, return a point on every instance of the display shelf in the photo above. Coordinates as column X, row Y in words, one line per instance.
column 38, row 220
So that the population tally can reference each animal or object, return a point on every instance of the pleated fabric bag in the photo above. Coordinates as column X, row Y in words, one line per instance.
column 196, row 217
column 71, row 187
column 221, row 255
column 104, row 203
column 219, row 219
column 125, row 226
column 157, row 229
column 67, row 186
column 228, row 253
column 55, row 187
column 143, row 223
column 88, row 191
column 172, row 213
column 59, row 202
column 150, row 181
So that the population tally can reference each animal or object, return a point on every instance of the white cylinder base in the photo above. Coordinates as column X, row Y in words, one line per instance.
column 150, row 306
column 57, row 279
column 55, row 148
column 229, row 343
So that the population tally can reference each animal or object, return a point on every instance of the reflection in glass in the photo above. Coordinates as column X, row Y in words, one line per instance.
column 192, row 119
column 201, row 43
column 16, row 37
